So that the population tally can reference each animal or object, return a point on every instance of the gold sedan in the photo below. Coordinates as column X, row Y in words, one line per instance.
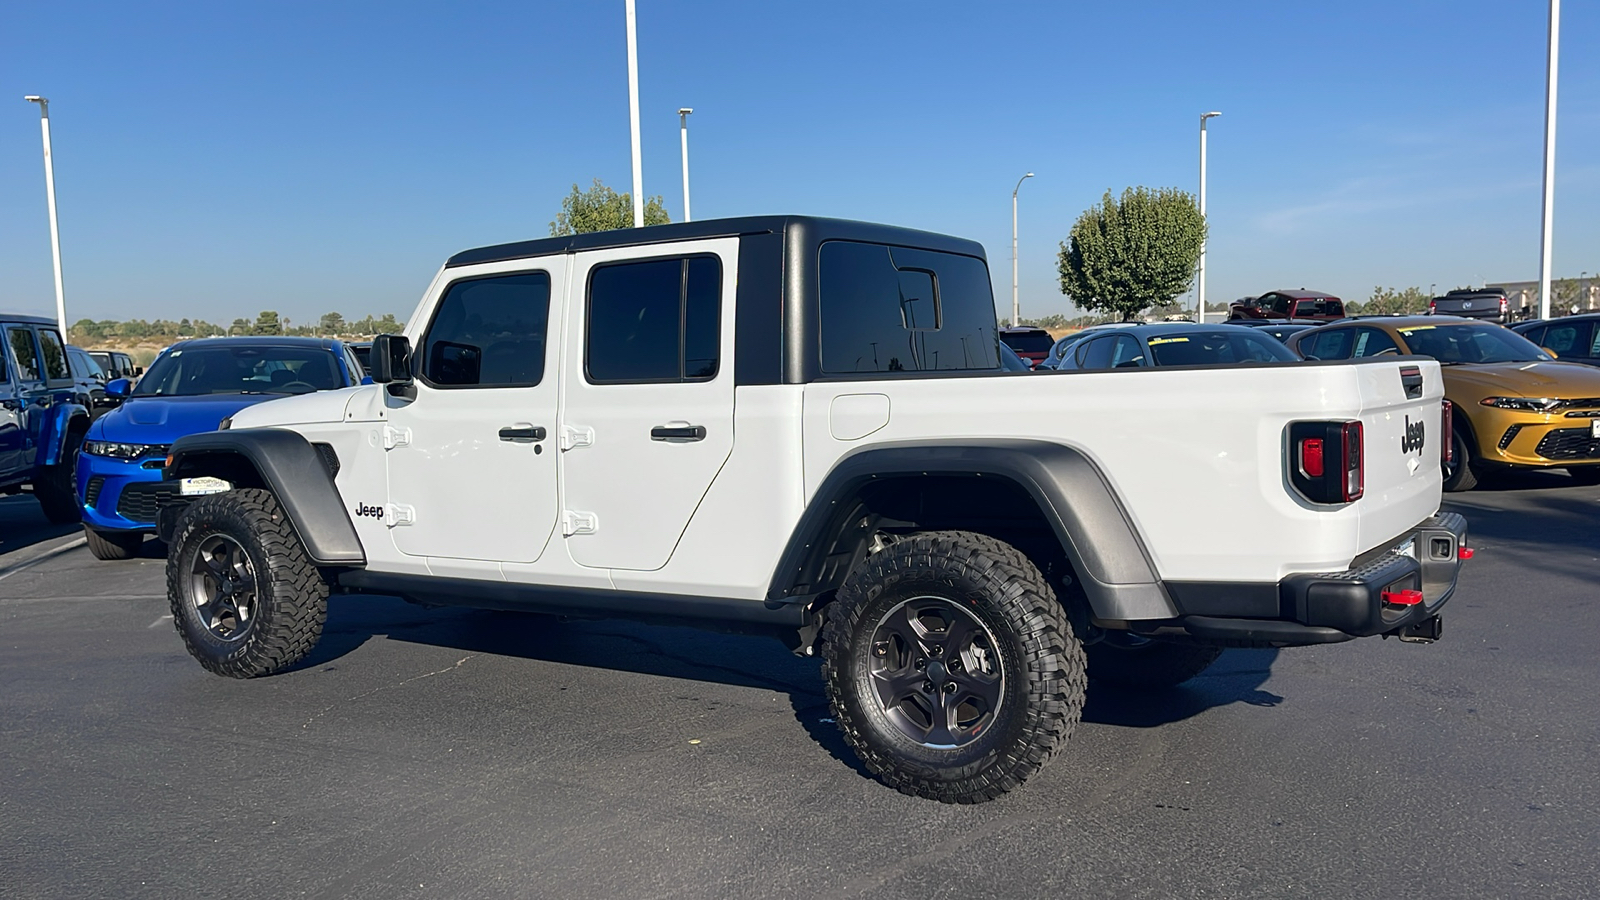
column 1515, row 404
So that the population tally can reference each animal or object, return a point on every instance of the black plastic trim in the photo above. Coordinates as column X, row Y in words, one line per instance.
column 580, row 601
column 295, row 473
column 1094, row 530
column 758, row 320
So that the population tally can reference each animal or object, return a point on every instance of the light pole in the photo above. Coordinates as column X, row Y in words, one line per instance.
column 683, row 133
column 633, row 119
column 50, row 196
column 1549, row 157
column 1015, row 309
column 1200, row 287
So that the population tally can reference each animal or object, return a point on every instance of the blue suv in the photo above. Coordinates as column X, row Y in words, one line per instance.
column 42, row 421
column 191, row 387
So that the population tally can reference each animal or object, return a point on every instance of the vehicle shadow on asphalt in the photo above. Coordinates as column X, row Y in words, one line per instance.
column 1236, row 677
column 738, row 660
column 1547, row 513
column 22, row 524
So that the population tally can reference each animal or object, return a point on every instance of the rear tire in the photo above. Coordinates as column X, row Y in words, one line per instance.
column 113, row 544
column 1132, row 661
column 1461, row 474
column 245, row 598
column 56, row 487
column 950, row 666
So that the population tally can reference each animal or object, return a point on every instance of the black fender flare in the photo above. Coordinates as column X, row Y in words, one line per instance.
column 1096, row 534
column 294, row 471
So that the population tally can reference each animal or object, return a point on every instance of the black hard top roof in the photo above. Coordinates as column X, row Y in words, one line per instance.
column 820, row 228
column 18, row 318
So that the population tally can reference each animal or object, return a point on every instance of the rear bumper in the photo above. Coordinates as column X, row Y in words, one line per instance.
column 1327, row 607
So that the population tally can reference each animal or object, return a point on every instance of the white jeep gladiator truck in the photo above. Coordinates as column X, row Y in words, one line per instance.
column 801, row 426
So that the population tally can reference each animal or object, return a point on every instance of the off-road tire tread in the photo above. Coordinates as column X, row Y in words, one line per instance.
column 113, row 545
column 289, row 621
column 1161, row 664
column 1056, row 663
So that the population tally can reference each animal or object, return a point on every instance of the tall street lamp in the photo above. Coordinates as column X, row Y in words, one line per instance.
column 1549, row 157
column 1015, row 311
column 1200, row 287
column 683, row 133
column 633, row 119
column 50, row 197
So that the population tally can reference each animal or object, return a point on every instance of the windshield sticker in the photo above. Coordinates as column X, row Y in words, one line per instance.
column 1175, row 340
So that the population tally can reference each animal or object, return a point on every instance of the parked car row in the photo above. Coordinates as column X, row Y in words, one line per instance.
column 1526, row 396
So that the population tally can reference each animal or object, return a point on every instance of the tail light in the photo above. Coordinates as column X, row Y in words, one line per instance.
column 1432, row 305
column 1327, row 461
column 1447, row 444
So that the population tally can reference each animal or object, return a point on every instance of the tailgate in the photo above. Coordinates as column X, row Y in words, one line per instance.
column 1402, row 419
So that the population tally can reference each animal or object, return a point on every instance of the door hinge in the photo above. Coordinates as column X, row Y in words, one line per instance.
column 394, row 437
column 399, row 514
column 574, row 522
column 575, row 436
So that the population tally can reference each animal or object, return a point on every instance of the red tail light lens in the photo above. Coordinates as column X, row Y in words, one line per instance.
column 1432, row 305
column 1355, row 469
column 1311, row 457
column 1447, row 444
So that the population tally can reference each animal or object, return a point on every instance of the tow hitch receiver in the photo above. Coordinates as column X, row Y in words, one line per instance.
column 1424, row 632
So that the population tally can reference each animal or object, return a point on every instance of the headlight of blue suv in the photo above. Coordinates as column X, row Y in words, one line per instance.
column 1526, row 404
column 117, row 450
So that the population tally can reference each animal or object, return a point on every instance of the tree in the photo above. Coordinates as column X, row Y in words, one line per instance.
column 1127, row 255
column 267, row 323
column 332, row 323
column 1388, row 302
column 602, row 209
column 240, row 326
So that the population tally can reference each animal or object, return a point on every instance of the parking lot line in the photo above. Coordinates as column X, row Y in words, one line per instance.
column 57, row 550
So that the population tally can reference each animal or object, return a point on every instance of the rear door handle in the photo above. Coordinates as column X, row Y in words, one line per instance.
column 522, row 434
column 679, row 434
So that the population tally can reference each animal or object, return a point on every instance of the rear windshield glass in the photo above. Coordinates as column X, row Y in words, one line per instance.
column 1035, row 342
column 1470, row 344
column 253, row 369
column 1210, row 348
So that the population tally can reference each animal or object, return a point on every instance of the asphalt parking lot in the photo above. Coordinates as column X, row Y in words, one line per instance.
column 466, row 754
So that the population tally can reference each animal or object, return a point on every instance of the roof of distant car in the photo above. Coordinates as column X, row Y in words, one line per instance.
column 31, row 320
column 1304, row 294
column 1022, row 329
column 260, row 340
column 1581, row 317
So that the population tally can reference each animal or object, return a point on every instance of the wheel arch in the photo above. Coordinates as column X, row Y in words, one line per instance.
column 66, row 419
column 1050, row 499
column 289, row 466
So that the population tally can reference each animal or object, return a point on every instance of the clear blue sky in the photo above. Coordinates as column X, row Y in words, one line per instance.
column 217, row 159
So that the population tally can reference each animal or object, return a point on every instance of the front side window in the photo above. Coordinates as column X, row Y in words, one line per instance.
column 899, row 309
column 55, row 354
column 27, row 355
column 656, row 320
column 1095, row 353
column 1568, row 340
column 488, row 332
column 1332, row 344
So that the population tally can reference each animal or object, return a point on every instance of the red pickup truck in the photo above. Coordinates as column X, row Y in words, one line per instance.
column 1301, row 304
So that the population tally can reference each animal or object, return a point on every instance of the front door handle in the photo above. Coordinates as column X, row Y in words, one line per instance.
column 522, row 434
column 679, row 434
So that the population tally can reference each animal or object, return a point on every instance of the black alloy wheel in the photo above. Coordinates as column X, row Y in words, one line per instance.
column 935, row 671
column 222, row 587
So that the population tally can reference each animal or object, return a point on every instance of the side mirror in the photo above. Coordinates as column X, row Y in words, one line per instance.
column 1553, row 354
column 391, row 364
column 118, row 389
column 137, row 371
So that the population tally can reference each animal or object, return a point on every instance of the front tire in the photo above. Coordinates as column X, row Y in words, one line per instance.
column 56, row 488
column 1460, row 474
column 1129, row 660
column 113, row 544
column 950, row 666
column 244, row 596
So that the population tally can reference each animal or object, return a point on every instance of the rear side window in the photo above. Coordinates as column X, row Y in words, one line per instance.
column 489, row 332
column 1334, row 344
column 23, row 350
column 656, row 320
column 1319, row 308
column 1371, row 342
column 1568, row 340
column 55, row 354
column 898, row 309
